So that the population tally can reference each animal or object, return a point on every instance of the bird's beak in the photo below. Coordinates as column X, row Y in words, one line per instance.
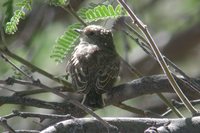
column 79, row 30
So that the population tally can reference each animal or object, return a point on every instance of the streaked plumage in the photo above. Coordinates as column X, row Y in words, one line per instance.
column 94, row 65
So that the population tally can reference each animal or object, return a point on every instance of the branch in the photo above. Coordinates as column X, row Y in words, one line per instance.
column 37, row 83
column 4, row 124
column 34, row 68
column 41, row 116
column 178, row 104
column 25, row 131
column 33, row 102
column 145, row 47
column 128, row 125
column 143, row 28
column 143, row 86
column 187, row 40
column 138, row 87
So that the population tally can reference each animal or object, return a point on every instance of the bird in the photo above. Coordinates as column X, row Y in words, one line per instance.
column 94, row 64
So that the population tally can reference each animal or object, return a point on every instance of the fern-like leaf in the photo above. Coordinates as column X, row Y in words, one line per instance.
column 11, row 27
column 100, row 12
column 65, row 43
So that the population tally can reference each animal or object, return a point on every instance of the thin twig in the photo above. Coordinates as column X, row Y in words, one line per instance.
column 37, row 115
column 131, row 68
column 178, row 104
column 37, row 91
column 193, row 84
column 159, row 57
column 35, row 68
column 76, row 103
column 17, row 68
column 136, row 110
column 4, row 124
column 170, row 105
column 142, row 86
column 130, row 109
column 70, row 10
column 72, row 101
column 5, row 88
column 25, row 131
column 160, row 95
column 4, row 50
column 25, row 101
column 146, row 47
column 135, row 32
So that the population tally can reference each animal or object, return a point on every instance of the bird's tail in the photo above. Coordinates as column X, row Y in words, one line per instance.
column 93, row 100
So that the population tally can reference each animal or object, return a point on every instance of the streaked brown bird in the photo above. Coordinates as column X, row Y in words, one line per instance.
column 94, row 64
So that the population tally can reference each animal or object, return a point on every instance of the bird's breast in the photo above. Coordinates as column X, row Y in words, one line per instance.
column 84, row 53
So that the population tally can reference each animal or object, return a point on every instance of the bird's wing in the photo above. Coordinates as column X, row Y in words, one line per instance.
column 82, row 63
column 79, row 77
column 107, row 75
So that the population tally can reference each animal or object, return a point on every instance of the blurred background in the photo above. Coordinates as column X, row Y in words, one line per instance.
column 174, row 24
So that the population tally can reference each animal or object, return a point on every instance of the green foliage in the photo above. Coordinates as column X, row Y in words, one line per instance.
column 66, row 42
column 94, row 13
column 11, row 27
column 9, row 10
column 100, row 12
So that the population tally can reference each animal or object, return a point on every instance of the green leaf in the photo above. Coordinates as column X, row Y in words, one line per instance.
column 11, row 26
column 118, row 10
column 111, row 10
column 65, row 43
column 97, row 12
column 100, row 12
column 105, row 10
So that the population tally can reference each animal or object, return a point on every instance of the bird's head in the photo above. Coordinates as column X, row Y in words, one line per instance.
column 97, row 35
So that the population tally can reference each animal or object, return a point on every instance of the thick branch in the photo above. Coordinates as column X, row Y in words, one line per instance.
column 128, row 125
column 143, row 86
column 138, row 87
column 32, row 102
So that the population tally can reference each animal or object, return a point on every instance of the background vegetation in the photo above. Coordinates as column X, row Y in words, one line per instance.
column 175, row 26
